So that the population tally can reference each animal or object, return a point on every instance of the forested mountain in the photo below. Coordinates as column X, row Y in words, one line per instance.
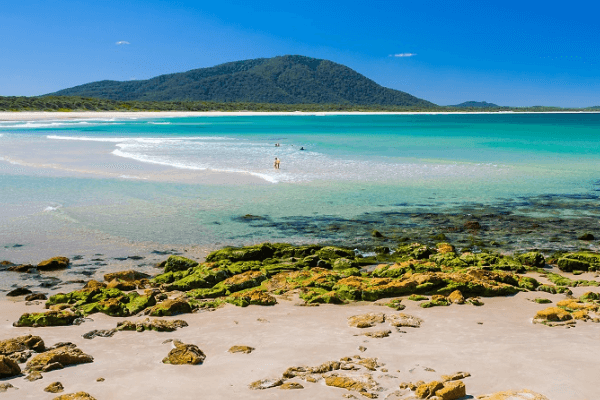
column 476, row 104
column 281, row 80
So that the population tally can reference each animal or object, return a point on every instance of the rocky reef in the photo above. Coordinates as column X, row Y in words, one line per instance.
column 254, row 275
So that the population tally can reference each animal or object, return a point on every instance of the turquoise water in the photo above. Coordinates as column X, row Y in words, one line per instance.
column 351, row 165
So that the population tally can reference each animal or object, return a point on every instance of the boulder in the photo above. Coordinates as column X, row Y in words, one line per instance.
column 21, row 268
column 586, row 236
column 19, row 292
column 427, row 390
column 54, row 387
column 184, row 354
column 551, row 314
column 366, row 320
column 178, row 263
column 8, row 367
column 456, row 297
column 63, row 356
column 349, row 383
column 170, row 307
column 75, row 396
column 36, row 296
column 533, row 259
column 252, row 296
column 21, row 343
column 452, row 390
column 53, row 263
column 128, row 276
column 48, row 318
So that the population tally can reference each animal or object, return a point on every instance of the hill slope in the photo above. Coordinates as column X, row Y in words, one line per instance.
column 476, row 104
column 283, row 80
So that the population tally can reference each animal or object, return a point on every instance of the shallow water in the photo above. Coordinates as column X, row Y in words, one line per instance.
column 351, row 166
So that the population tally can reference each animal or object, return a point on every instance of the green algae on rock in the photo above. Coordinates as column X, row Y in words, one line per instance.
column 251, row 296
column 48, row 318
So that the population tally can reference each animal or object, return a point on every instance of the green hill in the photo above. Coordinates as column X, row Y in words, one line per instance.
column 280, row 80
column 476, row 104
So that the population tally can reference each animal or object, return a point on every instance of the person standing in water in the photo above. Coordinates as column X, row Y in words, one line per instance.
column 276, row 163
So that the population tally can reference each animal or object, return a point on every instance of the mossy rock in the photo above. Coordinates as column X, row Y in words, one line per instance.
column 533, row 259
column 200, row 278
column 210, row 293
column 570, row 264
column 48, row 318
column 332, row 253
column 179, row 263
column 436, row 301
column 170, row 277
column 540, row 300
column 554, row 289
column 128, row 276
column 53, row 263
column 243, row 266
column 343, row 263
column 528, row 283
column 590, row 297
column 170, row 307
column 243, row 281
column 249, row 253
column 321, row 296
column 251, row 296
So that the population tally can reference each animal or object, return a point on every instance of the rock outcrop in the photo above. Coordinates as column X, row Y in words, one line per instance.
column 184, row 354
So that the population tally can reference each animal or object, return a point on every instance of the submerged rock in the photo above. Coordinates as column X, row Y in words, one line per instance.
column 184, row 354
column 19, row 292
column 53, row 263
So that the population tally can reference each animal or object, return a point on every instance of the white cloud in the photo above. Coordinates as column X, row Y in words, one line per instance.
column 122, row 42
column 403, row 55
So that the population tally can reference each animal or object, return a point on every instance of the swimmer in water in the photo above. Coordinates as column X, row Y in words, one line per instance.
column 276, row 163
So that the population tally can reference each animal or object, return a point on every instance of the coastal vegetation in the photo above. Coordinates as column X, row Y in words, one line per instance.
column 75, row 103
column 290, row 79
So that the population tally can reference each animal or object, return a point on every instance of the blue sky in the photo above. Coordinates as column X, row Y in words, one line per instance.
column 517, row 53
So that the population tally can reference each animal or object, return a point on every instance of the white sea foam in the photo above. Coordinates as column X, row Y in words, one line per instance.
column 52, row 208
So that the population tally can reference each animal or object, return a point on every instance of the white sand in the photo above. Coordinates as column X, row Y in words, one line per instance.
column 44, row 115
column 505, row 352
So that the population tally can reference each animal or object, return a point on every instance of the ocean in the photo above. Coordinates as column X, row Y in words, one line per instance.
column 341, row 176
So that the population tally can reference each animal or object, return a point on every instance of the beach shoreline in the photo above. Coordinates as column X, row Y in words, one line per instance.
column 497, row 344
column 57, row 115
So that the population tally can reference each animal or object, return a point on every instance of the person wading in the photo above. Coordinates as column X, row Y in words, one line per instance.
column 276, row 163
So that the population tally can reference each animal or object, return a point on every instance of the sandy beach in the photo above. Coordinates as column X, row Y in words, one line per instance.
column 113, row 225
column 45, row 115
